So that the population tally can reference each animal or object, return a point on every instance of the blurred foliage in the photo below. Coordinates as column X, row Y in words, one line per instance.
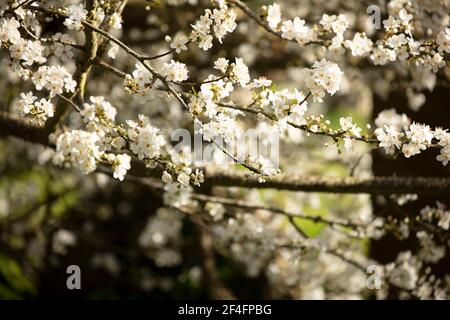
column 14, row 284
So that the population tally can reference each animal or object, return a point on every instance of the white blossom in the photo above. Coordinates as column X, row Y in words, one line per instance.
column 113, row 50
column 288, row 105
column 184, row 177
column 221, row 64
column 390, row 139
column 381, row 55
column 146, row 141
column 274, row 15
column 98, row 107
column 434, row 63
column 224, row 22
column 141, row 76
column 78, row 148
column 419, row 138
column 337, row 24
column 297, row 30
column 28, row 51
column 324, row 76
column 9, row 30
column 55, row 79
column 360, row 46
column 222, row 126
column 166, row 177
column 75, row 15
column 121, row 165
column 221, row 21
column 390, row 117
column 179, row 42
column 241, row 72
column 443, row 41
column 175, row 71
column 404, row 273
column 116, row 21
column 348, row 126
column 41, row 109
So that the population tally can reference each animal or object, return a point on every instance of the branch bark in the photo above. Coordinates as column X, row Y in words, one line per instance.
column 11, row 125
column 330, row 184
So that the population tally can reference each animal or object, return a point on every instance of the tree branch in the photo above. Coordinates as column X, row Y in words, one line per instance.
column 296, row 182
column 13, row 126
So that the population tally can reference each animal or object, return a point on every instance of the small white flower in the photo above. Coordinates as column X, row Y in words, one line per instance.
column 240, row 72
column 324, row 76
column 390, row 117
column 28, row 104
column 9, row 30
column 146, row 141
column 179, row 42
column 25, row 103
column 221, row 64
column 175, row 71
column 116, row 21
column 76, row 14
column 390, row 138
column 121, row 165
column 348, row 126
column 336, row 23
column 297, row 30
column 444, row 220
column 404, row 275
column 166, row 177
column 141, row 76
column 381, row 55
column 274, row 15
column 78, row 148
column 28, row 51
column 112, row 52
column 443, row 41
column 56, row 79
column 405, row 17
column 360, row 45
column 184, row 178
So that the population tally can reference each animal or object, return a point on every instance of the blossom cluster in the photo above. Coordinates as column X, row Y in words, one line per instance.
column 146, row 140
column 175, row 71
column 407, row 272
column 439, row 213
column 28, row 104
column 79, row 148
column 140, row 79
column 55, row 79
column 76, row 14
column 396, row 133
column 21, row 50
column 398, row 44
column 161, row 237
column 216, row 23
column 295, row 29
column 323, row 76
column 26, row 53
